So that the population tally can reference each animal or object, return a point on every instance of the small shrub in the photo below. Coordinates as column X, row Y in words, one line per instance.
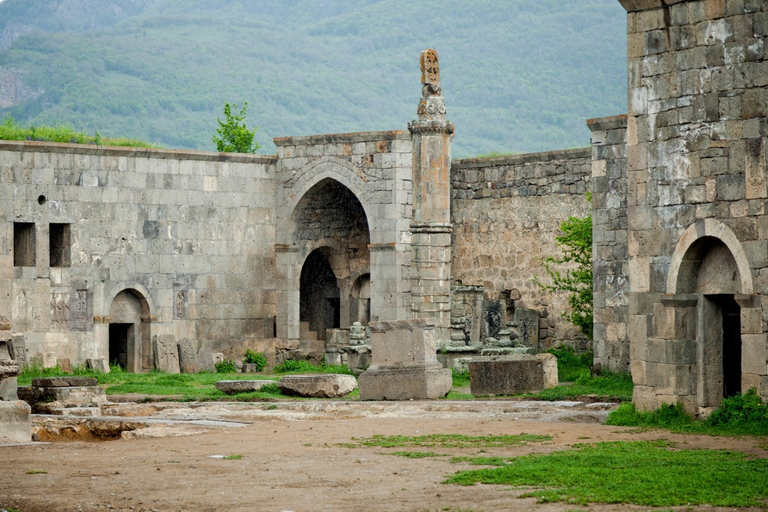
column 571, row 365
column 226, row 366
column 741, row 409
column 257, row 358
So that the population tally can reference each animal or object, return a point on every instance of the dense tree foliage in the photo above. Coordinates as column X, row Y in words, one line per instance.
column 517, row 76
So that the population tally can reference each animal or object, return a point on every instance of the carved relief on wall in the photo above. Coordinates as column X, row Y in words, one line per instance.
column 81, row 310
column 60, row 309
column 180, row 304
column 21, row 313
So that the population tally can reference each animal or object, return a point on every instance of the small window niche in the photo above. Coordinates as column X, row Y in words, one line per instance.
column 23, row 244
column 59, row 238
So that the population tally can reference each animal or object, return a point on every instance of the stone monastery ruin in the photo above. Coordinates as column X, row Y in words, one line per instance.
column 137, row 255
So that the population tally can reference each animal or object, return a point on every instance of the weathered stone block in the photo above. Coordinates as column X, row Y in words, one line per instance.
column 404, row 362
column 233, row 387
column 15, row 424
column 206, row 359
column 512, row 374
column 98, row 364
column 318, row 386
column 188, row 361
column 63, row 382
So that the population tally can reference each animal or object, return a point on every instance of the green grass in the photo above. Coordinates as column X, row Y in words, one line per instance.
column 452, row 441
column 609, row 385
column 460, row 379
column 738, row 415
column 572, row 365
column 236, row 456
column 10, row 130
column 647, row 473
column 300, row 366
column 190, row 386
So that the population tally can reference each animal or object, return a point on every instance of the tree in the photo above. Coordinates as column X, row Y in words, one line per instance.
column 232, row 135
column 576, row 278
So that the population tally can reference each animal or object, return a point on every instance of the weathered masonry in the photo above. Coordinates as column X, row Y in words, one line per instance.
column 680, row 224
column 115, row 253
column 105, row 250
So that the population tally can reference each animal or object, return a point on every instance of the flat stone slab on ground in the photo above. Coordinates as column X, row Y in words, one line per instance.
column 318, row 386
column 232, row 387
column 63, row 382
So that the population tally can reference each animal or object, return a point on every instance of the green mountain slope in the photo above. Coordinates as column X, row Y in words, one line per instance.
column 517, row 76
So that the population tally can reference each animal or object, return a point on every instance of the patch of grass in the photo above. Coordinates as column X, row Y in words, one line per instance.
column 647, row 473
column 609, row 385
column 494, row 154
column 452, row 441
column 743, row 414
column 460, row 379
column 10, row 130
column 301, row 366
column 37, row 472
column 236, row 456
column 456, row 395
column 417, row 455
column 571, row 365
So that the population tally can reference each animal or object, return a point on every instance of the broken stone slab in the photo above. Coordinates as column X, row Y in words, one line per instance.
column 98, row 364
column 507, row 375
column 233, row 387
column 63, row 382
column 61, row 397
column 318, row 386
column 65, row 365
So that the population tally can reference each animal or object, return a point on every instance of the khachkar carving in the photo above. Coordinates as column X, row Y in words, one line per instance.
column 432, row 105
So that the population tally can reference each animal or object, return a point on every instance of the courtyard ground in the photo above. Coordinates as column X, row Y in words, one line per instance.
column 298, row 456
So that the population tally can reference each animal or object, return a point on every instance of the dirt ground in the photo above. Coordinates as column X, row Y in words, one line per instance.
column 294, row 461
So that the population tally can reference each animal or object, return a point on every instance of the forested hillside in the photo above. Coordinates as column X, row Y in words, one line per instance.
column 518, row 75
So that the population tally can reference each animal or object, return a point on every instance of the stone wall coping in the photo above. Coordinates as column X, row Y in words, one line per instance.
column 335, row 138
column 121, row 151
column 607, row 123
column 524, row 158
column 644, row 5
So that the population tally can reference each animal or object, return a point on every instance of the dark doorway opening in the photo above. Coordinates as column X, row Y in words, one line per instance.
column 731, row 345
column 119, row 334
column 319, row 302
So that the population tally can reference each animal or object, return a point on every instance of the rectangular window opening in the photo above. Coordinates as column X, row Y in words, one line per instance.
column 59, row 244
column 23, row 244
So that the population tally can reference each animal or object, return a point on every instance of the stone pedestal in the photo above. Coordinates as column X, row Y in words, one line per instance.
column 404, row 364
column 511, row 374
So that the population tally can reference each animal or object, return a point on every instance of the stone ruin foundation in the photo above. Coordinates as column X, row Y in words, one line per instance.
column 15, row 424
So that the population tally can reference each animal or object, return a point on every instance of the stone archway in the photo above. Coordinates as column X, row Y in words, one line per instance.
column 329, row 247
column 711, row 304
column 129, row 332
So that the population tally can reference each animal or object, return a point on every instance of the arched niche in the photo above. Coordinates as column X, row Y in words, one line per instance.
column 129, row 331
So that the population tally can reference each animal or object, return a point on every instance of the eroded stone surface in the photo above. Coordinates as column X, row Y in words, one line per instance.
column 508, row 375
column 232, row 387
column 318, row 386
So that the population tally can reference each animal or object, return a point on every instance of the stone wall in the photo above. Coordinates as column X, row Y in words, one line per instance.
column 609, row 239
column 190, row 235
column 506, row 212
column 696, row 197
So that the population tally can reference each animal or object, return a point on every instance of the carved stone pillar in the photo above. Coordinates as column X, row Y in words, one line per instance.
column 431, row 220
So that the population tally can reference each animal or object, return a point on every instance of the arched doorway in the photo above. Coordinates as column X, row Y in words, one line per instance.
column 319, row 299
column 711, row 291
column 129, row 340
column 331, row 241
column 709, row 270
